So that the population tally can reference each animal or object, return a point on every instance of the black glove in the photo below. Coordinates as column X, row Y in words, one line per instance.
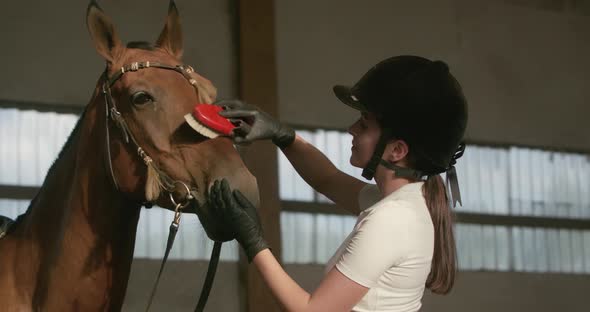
column 254, row 124
column 210, row 218
column 240, row 216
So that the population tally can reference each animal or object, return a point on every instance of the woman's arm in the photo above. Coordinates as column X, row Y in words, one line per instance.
column 336, row 292
column 313, row 166
column 319, row 172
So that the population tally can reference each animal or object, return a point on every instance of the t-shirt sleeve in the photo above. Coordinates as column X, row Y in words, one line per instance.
column 381, row 241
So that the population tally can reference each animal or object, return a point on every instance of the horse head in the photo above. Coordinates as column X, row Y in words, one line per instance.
column 152, row 155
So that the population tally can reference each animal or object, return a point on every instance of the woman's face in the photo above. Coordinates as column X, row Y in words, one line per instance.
column 365, row 134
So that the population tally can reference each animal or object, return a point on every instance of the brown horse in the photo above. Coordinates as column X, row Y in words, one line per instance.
column 73, row 248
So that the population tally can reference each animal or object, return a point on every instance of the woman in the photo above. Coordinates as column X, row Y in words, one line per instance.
column 412, row 120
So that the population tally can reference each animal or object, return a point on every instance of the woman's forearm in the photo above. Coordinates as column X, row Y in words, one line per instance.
column 291, row 296
column 321, row 174
column 336, row 292
column 310, row 163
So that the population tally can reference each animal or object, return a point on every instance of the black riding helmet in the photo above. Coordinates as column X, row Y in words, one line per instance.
column 419, row 101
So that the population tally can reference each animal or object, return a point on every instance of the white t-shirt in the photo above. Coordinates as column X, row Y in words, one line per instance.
column 389, row 250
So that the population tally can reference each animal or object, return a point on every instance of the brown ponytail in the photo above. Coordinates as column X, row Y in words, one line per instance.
column 444, row 263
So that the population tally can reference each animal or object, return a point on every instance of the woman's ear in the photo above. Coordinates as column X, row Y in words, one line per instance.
column 396, row 150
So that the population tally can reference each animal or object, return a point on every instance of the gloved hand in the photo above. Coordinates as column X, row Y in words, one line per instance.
column 254, row 124
column 210, row 218
column 240, row 216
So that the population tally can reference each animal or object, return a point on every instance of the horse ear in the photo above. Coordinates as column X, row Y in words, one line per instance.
column 102, row 32
column 171, row 36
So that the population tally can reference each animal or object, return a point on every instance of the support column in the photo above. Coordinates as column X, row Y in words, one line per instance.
column 257, row 74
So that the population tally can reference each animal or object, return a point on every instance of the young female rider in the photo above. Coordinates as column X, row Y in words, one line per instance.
column 413, row 117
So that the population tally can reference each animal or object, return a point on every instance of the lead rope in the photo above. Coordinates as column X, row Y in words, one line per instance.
column 211, row 270
column 171, row 236
column 213, row 261
column 208, row 284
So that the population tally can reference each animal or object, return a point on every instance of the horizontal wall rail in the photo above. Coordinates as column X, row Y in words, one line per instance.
column 460, row 217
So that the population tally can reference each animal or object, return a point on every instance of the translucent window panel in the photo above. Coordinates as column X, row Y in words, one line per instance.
column 8, row 146
column 547, row 250
column 335, row 145
column 518, row 249
column 191, row 241
column 476, row 246
column 531, row 250
column 559, row 185
column 554, row 251
column 291, row 185
column 329, row 143
column 472, row 248
column 584, row 180
column 13, row 208
column 312, row 238
column 323, row 246
column 541, row 251
column 502, row 248
column 586, row 250
column 29, row 143
column 152, row 233
column 577, row 243
column 489, row 237
column 289, row 239
column 529, row 257
column 463, row 250
column 522, row 181
column 565, row 248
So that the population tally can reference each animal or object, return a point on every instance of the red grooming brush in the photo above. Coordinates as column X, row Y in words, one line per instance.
column 205, row 120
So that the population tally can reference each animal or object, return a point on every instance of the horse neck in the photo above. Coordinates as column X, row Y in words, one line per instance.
column 82, row 230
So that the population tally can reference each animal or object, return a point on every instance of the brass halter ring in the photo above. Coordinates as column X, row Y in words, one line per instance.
column 179, row 206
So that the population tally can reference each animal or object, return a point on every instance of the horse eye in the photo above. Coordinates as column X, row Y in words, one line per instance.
column 141, row 98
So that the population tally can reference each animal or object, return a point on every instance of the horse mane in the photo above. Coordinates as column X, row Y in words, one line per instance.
column 52, row 168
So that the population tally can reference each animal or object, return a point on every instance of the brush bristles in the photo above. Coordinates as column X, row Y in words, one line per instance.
column 199, row 127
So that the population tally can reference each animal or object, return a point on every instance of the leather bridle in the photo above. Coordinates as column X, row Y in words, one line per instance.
column 167, row 183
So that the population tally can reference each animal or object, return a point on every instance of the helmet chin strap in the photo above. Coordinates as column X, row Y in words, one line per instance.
column 376, row 159
column 402, row 172
column 451, row 173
